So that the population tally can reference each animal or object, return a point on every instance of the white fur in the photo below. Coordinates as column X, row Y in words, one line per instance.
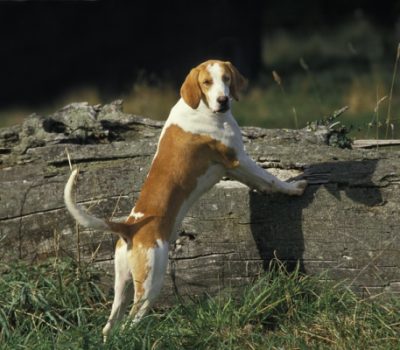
column 218, row 87
column 157, row 261
column 122, row 287
column 256, row 177
column 136, row 215
column 80, row 215
column 221, row 126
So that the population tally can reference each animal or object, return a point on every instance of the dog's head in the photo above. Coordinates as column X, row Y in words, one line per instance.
column 215, row 83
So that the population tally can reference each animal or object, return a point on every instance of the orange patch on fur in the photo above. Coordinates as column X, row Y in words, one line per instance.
column 140, row 271
column 182, row 158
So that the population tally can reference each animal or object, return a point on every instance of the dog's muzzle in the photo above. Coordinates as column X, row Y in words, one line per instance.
column 223, row 102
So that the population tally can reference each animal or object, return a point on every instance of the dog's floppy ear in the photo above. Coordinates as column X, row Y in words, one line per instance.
column 238, row 82
column 190, row 90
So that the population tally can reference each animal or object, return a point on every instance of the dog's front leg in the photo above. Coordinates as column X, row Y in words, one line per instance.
column 252, row 175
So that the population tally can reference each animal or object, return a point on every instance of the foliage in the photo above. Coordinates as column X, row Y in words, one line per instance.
column 39, row 303
column 50, row 306
column 337, row 132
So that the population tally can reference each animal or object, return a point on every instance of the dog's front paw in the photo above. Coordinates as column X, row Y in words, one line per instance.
column 299, row 187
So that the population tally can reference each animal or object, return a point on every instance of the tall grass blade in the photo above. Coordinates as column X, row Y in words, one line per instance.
column 389, row 112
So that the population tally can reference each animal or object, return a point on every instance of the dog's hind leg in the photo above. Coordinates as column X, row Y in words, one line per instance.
column 149, row 269
column 122, row 286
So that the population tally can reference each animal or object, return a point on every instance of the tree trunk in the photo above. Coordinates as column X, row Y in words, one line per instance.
column 347, row 223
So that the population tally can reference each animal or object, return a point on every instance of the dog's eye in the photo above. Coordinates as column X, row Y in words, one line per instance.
column 207, row 82
column 226, row 78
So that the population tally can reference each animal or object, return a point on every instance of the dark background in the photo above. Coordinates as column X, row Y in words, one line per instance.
column 48, row 48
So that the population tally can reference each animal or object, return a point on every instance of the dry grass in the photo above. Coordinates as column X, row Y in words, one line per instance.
column 318, row 73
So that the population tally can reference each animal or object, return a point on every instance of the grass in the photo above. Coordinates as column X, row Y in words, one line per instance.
column 48, row 306
column 60, row 305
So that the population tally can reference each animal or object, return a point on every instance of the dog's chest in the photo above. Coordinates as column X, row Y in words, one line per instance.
column 221, row 128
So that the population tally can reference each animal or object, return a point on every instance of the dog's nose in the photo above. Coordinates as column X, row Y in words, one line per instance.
column 223, row 100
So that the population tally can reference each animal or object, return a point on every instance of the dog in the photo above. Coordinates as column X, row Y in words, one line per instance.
column 199, row 144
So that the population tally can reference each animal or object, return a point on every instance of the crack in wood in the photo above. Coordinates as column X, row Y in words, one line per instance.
column 65, row 162
column 210, row 255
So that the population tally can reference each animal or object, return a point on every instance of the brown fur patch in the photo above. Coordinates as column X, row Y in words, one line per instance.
column 182, row 158
column 190, row 90
column 238, row 82
column 127, row 231
column 139, row 263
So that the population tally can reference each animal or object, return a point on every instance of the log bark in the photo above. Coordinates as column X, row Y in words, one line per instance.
column 346, row 224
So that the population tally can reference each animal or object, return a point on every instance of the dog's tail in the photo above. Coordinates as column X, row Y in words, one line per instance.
column 124, row 230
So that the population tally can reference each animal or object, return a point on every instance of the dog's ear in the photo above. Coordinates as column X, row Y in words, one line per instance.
column 190, row 90
column 238, row 81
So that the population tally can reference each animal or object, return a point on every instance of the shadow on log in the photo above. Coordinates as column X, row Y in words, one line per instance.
column 346, row 224
column 284, row 238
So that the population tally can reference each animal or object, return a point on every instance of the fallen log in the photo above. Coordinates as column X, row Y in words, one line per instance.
column 346, row 224
column 375, row 143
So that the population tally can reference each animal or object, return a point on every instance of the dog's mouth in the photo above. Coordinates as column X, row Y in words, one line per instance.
column 221, row 109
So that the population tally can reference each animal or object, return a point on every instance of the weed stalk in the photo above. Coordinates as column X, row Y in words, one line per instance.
column 389, row 112
column 278, row 80
column 317, row 94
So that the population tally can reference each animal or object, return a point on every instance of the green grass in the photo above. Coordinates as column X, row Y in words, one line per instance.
column 51, row 306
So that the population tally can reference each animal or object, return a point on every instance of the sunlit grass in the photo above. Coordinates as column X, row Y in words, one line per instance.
column 50, row 306
column 266, row 103
column 263, row 104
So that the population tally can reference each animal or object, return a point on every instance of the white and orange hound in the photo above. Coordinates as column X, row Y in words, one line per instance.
column 199, row 144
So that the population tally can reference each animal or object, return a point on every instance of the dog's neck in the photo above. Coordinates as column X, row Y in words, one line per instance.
column 220, row 126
